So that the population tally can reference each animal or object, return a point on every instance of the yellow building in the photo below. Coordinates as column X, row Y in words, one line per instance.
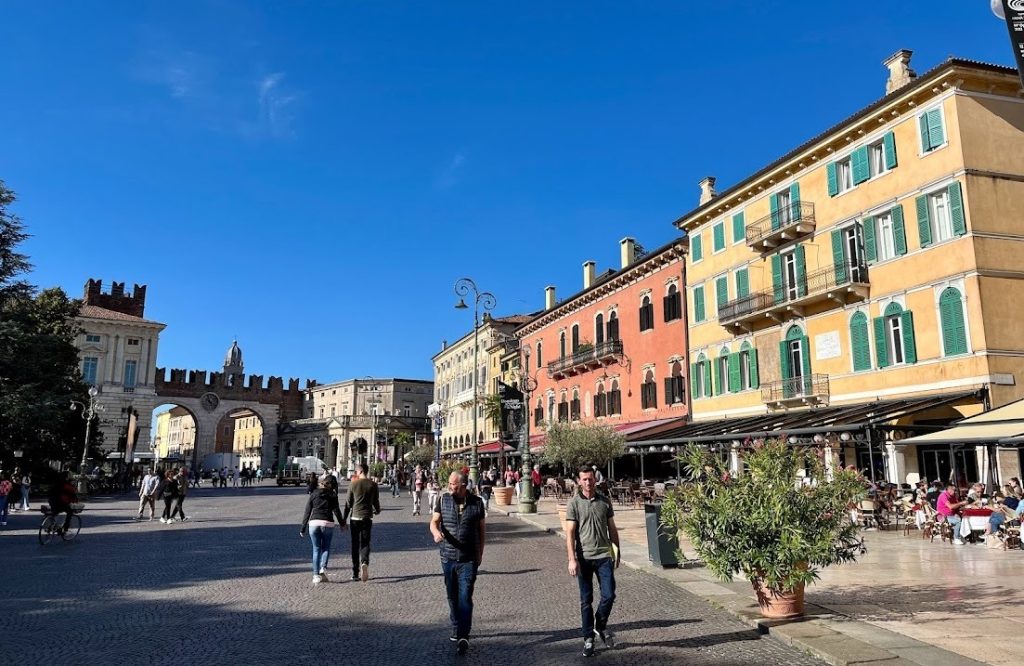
column 248, row 438
column 869, row 282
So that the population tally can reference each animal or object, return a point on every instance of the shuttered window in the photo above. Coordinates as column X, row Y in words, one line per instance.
column 718, row 237
column 859, row 342
column 749, row 377
column 894, row 337
column 646, row 314
column 601, row 403
column 696, row 248
column 932, row 130
column 954, row 330
column 742, row 283
column 649, row 392
column 672, row 305
column 940, row 215
column 721, row 291
column 738, row 228
column 698, row 304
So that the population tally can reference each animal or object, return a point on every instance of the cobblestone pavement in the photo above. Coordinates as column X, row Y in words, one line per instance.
column 233, row 587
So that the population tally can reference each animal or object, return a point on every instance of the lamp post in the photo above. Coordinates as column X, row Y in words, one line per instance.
column 465, row 287
column 387, row 436
column 527, row 384
column 436, row 412
column 88, row 413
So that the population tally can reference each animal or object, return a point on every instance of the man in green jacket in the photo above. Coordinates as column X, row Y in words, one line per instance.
column 362, row 504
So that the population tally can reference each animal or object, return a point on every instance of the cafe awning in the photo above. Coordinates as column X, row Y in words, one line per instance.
column 1003, row 425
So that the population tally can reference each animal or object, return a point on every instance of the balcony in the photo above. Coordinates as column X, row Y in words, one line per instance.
column 796, row 392
column 586, row 359
column 786, row 224
column 840, row 284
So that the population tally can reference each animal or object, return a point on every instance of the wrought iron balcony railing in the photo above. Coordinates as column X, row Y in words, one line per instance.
column 806, row 388
column 780, row 221
column 585, row 357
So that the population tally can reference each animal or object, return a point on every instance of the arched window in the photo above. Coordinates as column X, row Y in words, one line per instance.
column 561, row 344
column 599, row 328
column 574, row 406
column 894, row 336
column 538, row 413
column 540, row 354
column 672, row 304
column 748, row 367
column 700, row 378
column 951, row 315
column 600, row 401
column 614, row 399
column 526, row 358
column 575, row 338
column 613, row 325
column 674, row 385
column 646, row 314
column 860, row 346
column 722, row 367
column 649, row 392
column 563, row 409
column 551, row 407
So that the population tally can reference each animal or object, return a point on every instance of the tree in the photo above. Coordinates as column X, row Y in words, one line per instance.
column 492, row 410
column 421, row 455
column 38, row 360
column 575, row 444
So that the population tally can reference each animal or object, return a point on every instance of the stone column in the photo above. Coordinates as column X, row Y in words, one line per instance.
column 830, row 462
column 896, row 464
column 735, row 462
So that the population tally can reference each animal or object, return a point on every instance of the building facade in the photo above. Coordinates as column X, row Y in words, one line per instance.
column 117, row 350
column 879, row 261
column 247, row 433
column 614, row 352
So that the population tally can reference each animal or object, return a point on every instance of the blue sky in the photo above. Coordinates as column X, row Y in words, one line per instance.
column 313, row 177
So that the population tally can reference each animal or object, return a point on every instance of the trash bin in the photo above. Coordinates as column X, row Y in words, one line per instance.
column 661, row 547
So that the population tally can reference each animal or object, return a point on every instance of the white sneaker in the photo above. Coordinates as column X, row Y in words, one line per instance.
column 163, row 520
column 316, row 580
column 364, row 572
column 958, row 542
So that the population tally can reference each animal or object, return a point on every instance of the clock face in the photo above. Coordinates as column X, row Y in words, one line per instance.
column 210, row 401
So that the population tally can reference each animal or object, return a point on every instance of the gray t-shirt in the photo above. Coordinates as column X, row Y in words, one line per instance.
column 591, row 518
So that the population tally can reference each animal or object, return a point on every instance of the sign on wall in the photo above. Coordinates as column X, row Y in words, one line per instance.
column 1013, row 14
column 826, row 346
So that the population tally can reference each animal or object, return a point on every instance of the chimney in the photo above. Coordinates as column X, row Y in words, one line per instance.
column 627, row 250
column 900, row 73
column 444, row 345
column 589, row 273
column 707, row 190
column 549, row 297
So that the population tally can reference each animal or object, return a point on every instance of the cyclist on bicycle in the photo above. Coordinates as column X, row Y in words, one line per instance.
column 62, row 495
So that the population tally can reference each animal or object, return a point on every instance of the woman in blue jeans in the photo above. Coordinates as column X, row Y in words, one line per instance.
column 318, row 520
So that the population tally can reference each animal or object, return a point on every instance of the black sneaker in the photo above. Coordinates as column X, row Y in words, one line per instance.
column 606, row 637
column 354, row 578
column 588, row 647
column 461, row 646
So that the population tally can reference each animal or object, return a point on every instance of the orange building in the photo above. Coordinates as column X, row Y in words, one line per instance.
column 614, row 352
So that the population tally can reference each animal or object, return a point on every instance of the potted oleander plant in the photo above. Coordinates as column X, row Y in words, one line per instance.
column 778, row 524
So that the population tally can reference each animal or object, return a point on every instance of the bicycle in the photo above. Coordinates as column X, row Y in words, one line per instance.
column 53, row 524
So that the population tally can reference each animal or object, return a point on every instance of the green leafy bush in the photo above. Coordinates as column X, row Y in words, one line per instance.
column 575, row 444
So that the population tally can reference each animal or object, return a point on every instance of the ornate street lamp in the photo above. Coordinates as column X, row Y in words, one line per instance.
column 527, row 384
column 464, row 287
column 87, row 413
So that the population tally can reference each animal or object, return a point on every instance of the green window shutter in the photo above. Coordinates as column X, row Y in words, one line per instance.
column 805, row 345
column 738, row 228
column 716, row 385
column 859, row 163
column 734, row 372
column 696, row 251
column 833, row 179
column 773, row 203
column 954, row 332
column 721, row 291
column 936, row 135
column 777, row 286
column 794, row 201
column 801, row 271
column 668, row 391
column 859, row 342
column 695, row 380
column 742, row 283
column 718, row 234
column 698, row 303
column 889, row 148
column 881, row 344
column 909, row 344
column 899, row 232
column 839, row 256
column 755, row 380
column 922, row 122
column 924, row 225
column 956, row 209
column 870, row 247
column 784, row 359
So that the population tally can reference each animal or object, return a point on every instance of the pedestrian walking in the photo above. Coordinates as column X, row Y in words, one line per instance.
column 486, row 488
column 433, row 491
column 26, row 486
column 168, row 492
column 457, row 525
column 592, row 542
column 182, row 480
column 418, row 481
column 147, row 494
column 318, row 519
column 362, row 504
column 5, row 490
column 234, row 477
column 259, row 475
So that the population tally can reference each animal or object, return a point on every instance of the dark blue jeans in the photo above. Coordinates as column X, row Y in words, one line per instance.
column 459, row 578
column 605, row 570
column 321, row 538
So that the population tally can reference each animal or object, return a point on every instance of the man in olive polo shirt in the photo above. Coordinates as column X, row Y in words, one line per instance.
column 590, row 535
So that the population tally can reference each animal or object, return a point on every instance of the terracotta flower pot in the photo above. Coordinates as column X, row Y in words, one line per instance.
column 561, row 514
column 779, row 605
column 503, row 495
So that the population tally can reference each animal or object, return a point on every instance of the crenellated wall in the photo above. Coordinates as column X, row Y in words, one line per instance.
column 196, row 383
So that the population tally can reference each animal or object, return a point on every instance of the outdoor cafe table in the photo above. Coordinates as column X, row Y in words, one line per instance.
column 976, row 519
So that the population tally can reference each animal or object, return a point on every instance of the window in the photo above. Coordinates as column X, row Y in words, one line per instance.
column 599, row 328
column 877, row 162
column 561, row 344
column 674, row 387
column 575, row 338
column 321, row 412
column 538, row 413
column 742, row 283
column 89, row 369
column 940, row 215
column 333, row 408
column 540, row 354
column 738, row 228
column 92, row 338
column 600, row 402
column 894, row 337
column 859, row 344
column 721, row 292
column 551, row 407
column 884, row 235
column 615, row 399
column 951, row 316
column 574, row 406
column 931, row 127
column 698, row 303
column 130, row 368
column 649, row 392
column 696, row 248
column 718, row 237
column 563, row 410
column 844, row 175
column 700, row 378
column 646, row 314
column 721, row 379
column 133, row 342
column 673, row 304
column 747, row 367
column 613, row 325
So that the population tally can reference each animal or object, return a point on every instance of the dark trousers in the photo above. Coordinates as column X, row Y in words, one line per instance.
column 459, row 579
column 360, row 531
column 177, row 507
column 605, row 570
column 167, row 507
